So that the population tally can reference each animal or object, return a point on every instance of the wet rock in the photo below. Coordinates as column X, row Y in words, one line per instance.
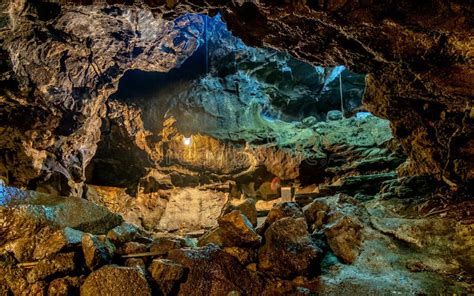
column 234, row 230
column 208, row 266
column 167, row 274
column 288, row 249
column 279, row 211
column 97, row 251
column 246, row 207
column 344, row 236
column 334, row 115
column 116, row 280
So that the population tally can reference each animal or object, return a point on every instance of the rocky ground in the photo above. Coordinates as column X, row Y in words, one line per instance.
column 332, row 245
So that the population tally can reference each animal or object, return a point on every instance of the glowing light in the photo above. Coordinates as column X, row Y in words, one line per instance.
column 187, row 141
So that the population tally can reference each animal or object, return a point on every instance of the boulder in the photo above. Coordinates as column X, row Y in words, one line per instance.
column 214, row 272
column 334, row 115
column 315, row 213
column 61, row 264
column 166, row 275
column 234, row 230
column 279, row 211
column 344, row 236
column 123, row 233
column 48, row 224
column 244, row 255
column 64, row 286
column 288, row 249
column 116, row 280
column 246, row 206
column 131, row 248
column 97, row 251
column 163, row 245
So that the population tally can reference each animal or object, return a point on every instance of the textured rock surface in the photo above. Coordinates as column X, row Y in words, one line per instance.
column 234, row 230
column 208, row 266
column 116, row 280
column 288, row 249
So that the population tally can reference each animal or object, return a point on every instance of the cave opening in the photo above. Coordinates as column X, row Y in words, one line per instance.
column 245, row 122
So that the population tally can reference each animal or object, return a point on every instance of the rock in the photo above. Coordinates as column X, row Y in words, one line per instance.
column 246, row 207
column 192, row 209
column 131, row 248
column 167, row 274
column 123, row 233
column 315, row 214
column 208, row 266
column 47, row 224
column 64, row 286
column 97, row 251
column 344, row 236
column 279, row 211
column 61, row 264
column 163, row 245
column 234, row 230
column 136, row 262
column 309, row 121
column 116, row 280
column 244, row 255
column 334, row 115
column 288, row 249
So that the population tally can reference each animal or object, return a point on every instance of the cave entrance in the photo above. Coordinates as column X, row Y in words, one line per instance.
column 242, row 122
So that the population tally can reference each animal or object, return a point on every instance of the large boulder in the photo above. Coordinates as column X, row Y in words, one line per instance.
column 213, row 272
column 234, row 230
column 166, row 275
column 42, row 224
column 116, row 280
column 344, row 236
column 279, row 211
column 246, row 206
column 288, row 249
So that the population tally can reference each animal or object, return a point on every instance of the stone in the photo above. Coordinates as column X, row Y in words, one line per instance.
column 334, row 115
column 123, row 233
column 244, row 255
column 116, row 280
column 166, row 275
column 60, row 264
column 315, row 214
column 136, row 262
column 131, row 248
column 64, row 286
column 246, row 207
column 192, row 209
column 48, row 224
column 234, row 230
column 163, row 245
column 288, row 249
column 279, row 211
column 344, row 237
column 97, row 251
column 208, row 266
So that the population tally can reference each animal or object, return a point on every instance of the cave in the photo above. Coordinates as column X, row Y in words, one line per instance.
column 236, row 148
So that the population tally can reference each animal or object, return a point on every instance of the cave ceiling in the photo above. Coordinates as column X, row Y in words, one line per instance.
column 60, row 63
